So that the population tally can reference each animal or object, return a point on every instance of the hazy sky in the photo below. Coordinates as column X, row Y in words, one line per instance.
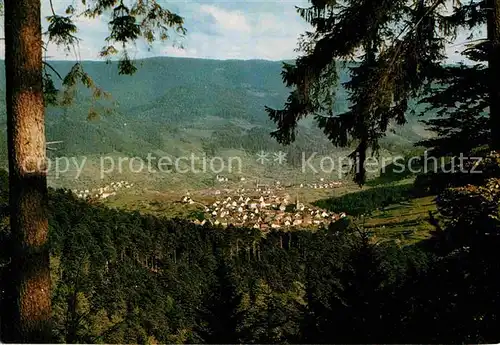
column 218, row 29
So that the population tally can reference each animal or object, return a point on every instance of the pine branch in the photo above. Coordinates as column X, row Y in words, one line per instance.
column 52, row 8
column 53, row 69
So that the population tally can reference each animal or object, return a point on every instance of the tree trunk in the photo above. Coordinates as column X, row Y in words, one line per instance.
column 494, row 72
column 27, row 304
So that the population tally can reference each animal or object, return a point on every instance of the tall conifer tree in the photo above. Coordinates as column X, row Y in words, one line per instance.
column 27, row 305
column 409, row 55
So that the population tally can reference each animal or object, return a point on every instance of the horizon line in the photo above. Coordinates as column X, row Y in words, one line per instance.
column 164, row 57
column 207, row 59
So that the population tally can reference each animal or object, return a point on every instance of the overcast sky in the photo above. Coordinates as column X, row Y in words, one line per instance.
column 217, row 29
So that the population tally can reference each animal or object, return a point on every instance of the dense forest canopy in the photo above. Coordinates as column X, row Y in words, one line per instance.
column 97, row 273
column 123, row 277
column 401, row 49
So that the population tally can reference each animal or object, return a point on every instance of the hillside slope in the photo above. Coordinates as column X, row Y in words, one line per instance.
column 175, row 106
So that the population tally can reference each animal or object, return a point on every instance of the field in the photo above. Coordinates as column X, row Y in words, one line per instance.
column 390, row 212
column 166, row 110
column 406, row 222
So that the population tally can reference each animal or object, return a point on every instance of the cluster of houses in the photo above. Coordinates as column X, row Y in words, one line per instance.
column 267, row 212
column 322, row 184
column 103, row 192
column 268, row 189
column 219, row 178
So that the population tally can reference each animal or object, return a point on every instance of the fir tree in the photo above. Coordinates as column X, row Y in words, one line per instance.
column 460, row 96
column 407, row 39
column 27, row 302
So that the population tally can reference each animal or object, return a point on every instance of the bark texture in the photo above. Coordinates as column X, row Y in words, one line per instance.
column 494, row 70
column 27, row 303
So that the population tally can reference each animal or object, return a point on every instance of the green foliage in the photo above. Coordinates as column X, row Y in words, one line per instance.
column 367, row 201
column 4, row 188
column 460, row 102
column 457, row 173
column 399, row 52
column 471, row 208
column 61, row 30
column 128, row 22
column 122, row 277
column 401, row 42
column 4, row 213
column 257, row 139
column 166, row 101
column 404, row 168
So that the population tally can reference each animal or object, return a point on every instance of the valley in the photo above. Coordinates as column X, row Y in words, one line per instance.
column 280, row 205
column 160, row 132
column 160, row 189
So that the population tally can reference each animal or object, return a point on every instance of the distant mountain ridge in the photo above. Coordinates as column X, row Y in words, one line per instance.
column 172, row 104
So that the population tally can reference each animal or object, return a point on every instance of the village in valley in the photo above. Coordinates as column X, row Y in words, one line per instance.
column 264, row 207
column 241, row 202
column 102, row 192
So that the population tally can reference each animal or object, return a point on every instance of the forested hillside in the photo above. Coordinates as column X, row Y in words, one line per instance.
column 123, row 277
column 176, row 104
column 228, row 233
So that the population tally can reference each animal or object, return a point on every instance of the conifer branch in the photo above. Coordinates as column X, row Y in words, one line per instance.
column 53, row 69
column 52, row 7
